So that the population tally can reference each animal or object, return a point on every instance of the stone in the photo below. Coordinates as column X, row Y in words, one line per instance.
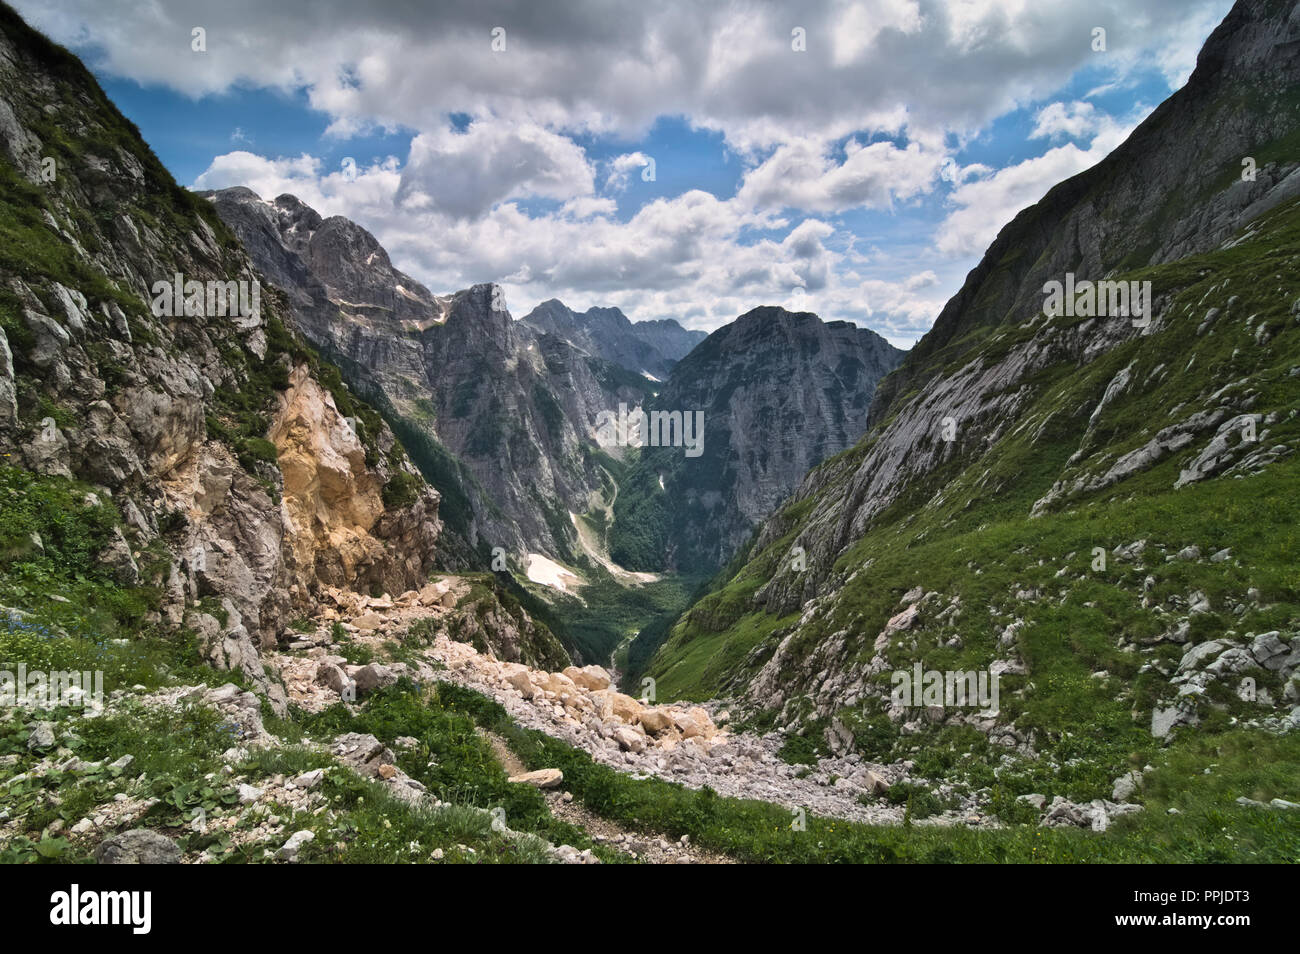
column 309, row 780
column 1124, row 786
column 629, row 739
column 655, row 720
column 249, row 794
column 140, row 846
column 1165, row 720
column 368, row 622
column 615, row 705
column 289, row 852
column 331, row 676
column 520, row 681
column 1269, row 651
column 362, row 752
column 541, row 778
column 42, row 736
column 874, row 783
column 374, row 676
column 589, row 677
column 1199, row 653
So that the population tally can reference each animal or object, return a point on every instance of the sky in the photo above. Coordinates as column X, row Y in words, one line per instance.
column 676, row 159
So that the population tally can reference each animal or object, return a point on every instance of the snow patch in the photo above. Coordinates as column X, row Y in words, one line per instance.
column 547, row 572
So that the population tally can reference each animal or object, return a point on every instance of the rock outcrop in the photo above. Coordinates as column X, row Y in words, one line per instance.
column 778, row 392
column 497, row 413
column 165, row 407
column 643, row 347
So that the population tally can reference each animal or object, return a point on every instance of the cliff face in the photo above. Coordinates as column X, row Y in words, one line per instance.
column 643, row 347
column 1061, row 498
column 1173, row 189
column 176, row 415
column 778, row 393
column 507, row 408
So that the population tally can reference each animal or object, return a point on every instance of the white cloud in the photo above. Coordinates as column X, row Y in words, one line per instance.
column 1077, row 120
column 465, row 173
column 986, row 204
column 921, row 77
column 616, row 67
column 621, row 169
column 803, row 175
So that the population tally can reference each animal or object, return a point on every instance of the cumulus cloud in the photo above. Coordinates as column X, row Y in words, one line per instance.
column 865, row 114
column 803, row 175
column 466, row 173
column 621, row 168
column 616, row 67
column 990, row 202
column 1077, row 120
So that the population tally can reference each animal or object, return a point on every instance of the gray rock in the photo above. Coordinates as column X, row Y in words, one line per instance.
column 1125, row 786
column 374, row 676
column 289, row 851
column 1198, row 654
column 1269, row 651
column 310, row 779
column 139, row 846
column 42, row 736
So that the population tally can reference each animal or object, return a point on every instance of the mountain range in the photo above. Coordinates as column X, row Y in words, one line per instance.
column 365, row 569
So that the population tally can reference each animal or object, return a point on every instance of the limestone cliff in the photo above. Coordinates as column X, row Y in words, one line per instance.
column 203, row 422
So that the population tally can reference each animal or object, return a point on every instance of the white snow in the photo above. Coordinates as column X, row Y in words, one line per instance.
column 647, row 374
column 547, row 572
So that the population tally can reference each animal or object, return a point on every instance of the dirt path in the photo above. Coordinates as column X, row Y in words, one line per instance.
column 644, row 846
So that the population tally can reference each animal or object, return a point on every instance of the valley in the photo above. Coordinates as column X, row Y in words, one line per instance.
column 367, row 580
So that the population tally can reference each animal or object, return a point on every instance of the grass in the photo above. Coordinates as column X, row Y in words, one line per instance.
column 1209, row 828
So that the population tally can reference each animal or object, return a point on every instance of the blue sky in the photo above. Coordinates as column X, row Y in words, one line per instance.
column 860, row 177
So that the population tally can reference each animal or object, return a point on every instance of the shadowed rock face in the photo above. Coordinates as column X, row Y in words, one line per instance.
column 168, row 416
column 779, row 392
column 1172, row 189
column 644, row 347
column 513, row 402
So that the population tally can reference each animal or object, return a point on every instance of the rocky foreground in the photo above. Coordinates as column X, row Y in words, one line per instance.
column 679, row 742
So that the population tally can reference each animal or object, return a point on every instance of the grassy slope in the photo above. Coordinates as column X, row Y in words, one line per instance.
column 969, row 533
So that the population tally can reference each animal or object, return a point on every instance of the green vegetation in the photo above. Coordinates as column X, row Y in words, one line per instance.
column 1209, row 828
column 1092, row 639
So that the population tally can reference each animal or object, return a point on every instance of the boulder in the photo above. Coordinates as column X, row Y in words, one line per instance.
column 542, row 778
column 521, row 682
column 874, row 783
column 656, row 721
column 140, row 846
column 42, row 736
column 291, row 847
column 362, row 752
column 612, row 704
column 589, row 677
column 331, row 676
column 1269, row 651
column 1124, row 786
column 629, row 739
column 374, row 676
